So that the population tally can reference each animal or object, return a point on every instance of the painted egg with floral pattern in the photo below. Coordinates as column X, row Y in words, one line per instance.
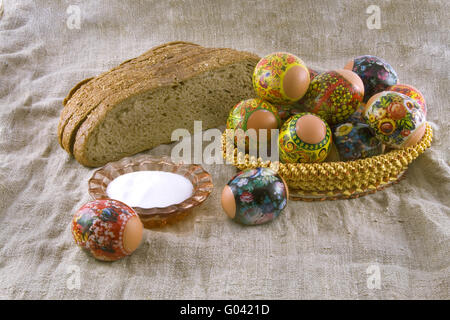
column 334, row 95
column 304, row 137
column 376, row 74
column 397, row 120
column 108, row 229
column 281, row 78
column 356, row 141
column 254, row 114
column 411, row 92
column 255, row 196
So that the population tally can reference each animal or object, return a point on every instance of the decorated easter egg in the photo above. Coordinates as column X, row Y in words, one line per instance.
column 108, row 229
column 255, row 196
column 334, row 95
column 376, row 74
column 411, row 92
column 397, row 120
column 304, row 138
column 281, row 78
column 356, row 141
column 254, row 114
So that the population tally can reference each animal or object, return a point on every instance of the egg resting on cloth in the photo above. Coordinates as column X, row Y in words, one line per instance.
column 99, row 225
column 260, row 195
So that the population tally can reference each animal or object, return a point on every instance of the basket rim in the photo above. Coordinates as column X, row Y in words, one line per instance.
column 414, row 151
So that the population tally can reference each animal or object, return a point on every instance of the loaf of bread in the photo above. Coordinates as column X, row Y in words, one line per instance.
column 136, row 105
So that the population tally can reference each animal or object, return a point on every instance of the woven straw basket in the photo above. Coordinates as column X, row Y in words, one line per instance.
column 335, row 180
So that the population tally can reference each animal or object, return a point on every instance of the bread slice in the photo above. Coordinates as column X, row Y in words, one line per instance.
column 85, row 96
column 137, row 105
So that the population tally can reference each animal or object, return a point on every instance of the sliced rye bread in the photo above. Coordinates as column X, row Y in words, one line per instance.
column 87, row 95
column 137, row 105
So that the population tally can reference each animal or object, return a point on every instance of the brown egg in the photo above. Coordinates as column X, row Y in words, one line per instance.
column 132, row 234
column 296, row 82
column 262, row 119
column 228, row 202
column 311, row 129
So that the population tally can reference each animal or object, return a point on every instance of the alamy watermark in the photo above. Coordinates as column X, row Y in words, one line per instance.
column 256, row 144
column 374, row 20
column 73, row 281
column 374, row 277
column 74, row 18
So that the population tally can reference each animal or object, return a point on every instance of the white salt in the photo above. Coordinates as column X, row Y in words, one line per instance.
column 150, row 189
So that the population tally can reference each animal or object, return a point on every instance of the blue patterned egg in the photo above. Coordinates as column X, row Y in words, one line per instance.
column 356, row 141
column 255, row 196
column 376, row 74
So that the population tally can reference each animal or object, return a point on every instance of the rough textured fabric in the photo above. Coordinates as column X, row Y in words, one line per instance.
column 313, row 250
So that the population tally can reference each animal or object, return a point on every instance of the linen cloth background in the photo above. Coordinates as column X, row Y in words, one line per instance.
column 313, row 250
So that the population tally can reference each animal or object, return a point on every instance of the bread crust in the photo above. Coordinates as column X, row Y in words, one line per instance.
column 89, row 93
column 166, row 65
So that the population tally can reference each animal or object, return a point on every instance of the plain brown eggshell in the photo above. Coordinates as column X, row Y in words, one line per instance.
column 228, row 202
column 285, row 186
column 132, row 234
column 262, row 119
column 310, row 129
column 349, row 65
column 296, row 82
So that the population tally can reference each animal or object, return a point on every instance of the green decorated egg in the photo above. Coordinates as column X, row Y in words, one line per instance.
column 254, row 114
column 304, row 137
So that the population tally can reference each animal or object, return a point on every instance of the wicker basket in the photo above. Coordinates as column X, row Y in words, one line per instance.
column 336, row 180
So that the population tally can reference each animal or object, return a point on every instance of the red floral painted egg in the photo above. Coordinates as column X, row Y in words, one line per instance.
column 108, row 229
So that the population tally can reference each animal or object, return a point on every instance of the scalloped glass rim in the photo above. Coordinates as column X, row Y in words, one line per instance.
column 201, row 181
